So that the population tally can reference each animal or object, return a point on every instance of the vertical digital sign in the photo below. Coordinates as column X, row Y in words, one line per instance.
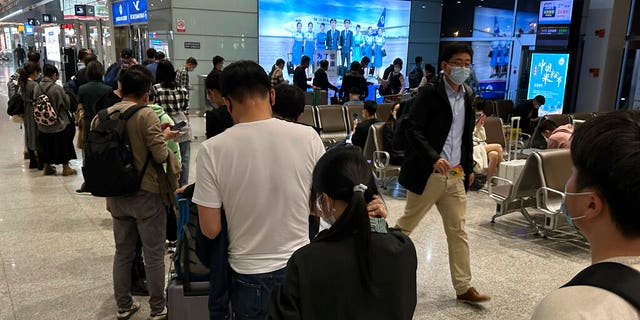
column 554, row 23
column 548, row 77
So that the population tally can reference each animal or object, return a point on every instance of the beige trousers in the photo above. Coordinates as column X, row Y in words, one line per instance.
column 449, row 196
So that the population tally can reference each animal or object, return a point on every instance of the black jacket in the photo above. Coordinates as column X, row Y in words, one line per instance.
column 300, row 78
column 349, row 81
column 526, row 111
column 428, row 126
column 359, row 137
column 323, row 281
column 321, row 80
column 217, row 121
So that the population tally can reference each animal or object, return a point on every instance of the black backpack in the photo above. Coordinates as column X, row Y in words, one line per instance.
column 109, row 169
column 188, row 265
column 400, row 143
column 111, row 75
column 614, row 277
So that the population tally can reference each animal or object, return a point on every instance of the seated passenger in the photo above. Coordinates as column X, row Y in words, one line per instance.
column 601, row 200
column 354, row 98
column 361, row 129
column 486, row 157
column 557, row 137
column 357, row 269
column 353, row 79
column 289, row 104
column 528, row 112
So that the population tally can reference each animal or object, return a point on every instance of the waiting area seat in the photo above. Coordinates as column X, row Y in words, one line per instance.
column 316, row 97
column 544, row 173
column 384, row 111
column 376, row 155
column 332, row 121
column 309, row 116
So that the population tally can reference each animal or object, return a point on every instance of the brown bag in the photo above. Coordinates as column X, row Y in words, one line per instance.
column 79, row 115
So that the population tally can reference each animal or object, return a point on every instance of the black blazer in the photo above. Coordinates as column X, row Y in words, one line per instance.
column 321, row 80
column 300, row 78
column 350, row 81
column 428, row 126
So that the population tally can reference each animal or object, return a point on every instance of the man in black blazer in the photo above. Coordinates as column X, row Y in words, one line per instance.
column 300, row 74
column 320, row 78
column 438, row 165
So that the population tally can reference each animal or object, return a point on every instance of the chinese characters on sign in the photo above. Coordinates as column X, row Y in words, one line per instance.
column 547, row 77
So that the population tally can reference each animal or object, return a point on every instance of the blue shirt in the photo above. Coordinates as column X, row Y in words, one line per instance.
column 452, row 150
column 153, row 67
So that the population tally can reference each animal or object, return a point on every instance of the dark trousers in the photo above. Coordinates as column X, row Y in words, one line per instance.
column 250, row 293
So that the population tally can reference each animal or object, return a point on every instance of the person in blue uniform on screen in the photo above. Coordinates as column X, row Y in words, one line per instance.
column 321, row 43
column 358, row 44
column 368, row 44
column 346, row 42
column 298, row 41
column 309, row 42
column 378, row 49
column 505, row 59
column 333, row 36
column 493, row 54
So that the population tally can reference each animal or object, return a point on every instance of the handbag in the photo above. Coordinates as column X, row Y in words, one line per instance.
column 384, row 52
column 15, row 106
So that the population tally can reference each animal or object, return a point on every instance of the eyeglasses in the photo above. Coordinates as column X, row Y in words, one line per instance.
column 460, row 63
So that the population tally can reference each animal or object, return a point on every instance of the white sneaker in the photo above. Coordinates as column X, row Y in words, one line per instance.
column 158, row 315
column 124, row 314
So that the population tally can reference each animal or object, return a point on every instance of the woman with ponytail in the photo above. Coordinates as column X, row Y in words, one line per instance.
column 358, row 268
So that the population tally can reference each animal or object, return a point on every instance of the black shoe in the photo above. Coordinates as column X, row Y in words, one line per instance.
column 82, row 189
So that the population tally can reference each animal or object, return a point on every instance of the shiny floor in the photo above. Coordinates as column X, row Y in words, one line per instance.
column 56, row 249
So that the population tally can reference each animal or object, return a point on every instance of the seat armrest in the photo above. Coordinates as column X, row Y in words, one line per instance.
column 542, row 199
column 509, row 182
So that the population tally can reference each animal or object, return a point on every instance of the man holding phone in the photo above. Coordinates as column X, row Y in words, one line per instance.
column 438, row 165
column 361, row 129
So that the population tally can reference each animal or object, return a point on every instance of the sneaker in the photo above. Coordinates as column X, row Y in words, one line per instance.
column 171, row 247
column 473, row 296
column 124, row 314
column 160, row 315
column 68, row 171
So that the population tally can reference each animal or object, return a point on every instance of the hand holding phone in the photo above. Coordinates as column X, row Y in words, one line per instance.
column 178, row 126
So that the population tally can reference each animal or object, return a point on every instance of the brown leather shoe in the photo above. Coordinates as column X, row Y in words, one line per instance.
column 472, row 295
column 49, row 170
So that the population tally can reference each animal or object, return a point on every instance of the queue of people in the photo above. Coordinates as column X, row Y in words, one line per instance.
column 266, row 205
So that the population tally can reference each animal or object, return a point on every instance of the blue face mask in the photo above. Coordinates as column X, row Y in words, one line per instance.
column 563, row 207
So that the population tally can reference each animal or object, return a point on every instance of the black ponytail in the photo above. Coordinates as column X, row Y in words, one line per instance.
column 25, row 72
column 343, row 174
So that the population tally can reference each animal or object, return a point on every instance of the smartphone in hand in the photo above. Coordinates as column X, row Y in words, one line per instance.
column 178, row 126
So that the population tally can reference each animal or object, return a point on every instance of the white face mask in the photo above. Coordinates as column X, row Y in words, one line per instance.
column 563, row 207
column 459, row 74
column 325, row 213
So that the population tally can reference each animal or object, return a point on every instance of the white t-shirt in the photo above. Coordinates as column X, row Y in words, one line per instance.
column 586, row 302
column 261, row 171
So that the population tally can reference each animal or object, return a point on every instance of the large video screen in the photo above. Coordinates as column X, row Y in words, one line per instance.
column 291, row 29
column 492, row 55
column 548, row 77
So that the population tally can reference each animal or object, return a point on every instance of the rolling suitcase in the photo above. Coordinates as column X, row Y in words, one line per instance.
column 511, row 170
column 186, row 299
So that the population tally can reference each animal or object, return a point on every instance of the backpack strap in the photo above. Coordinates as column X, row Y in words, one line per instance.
column 125, row 116
column 611, row 276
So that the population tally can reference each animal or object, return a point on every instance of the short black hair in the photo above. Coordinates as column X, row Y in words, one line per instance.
column 289, row 102
column 418, row 59
column 135, row 81
column 322, row 24
column 346, row 21
column 160, row 55
column 397, row 61
column 355, row 90
column 548, row 124
column 49, row 70
column 217, row 59
column 453, row 48
column 95, row 71
column 430, row 68
column 151, row 53
column 192, row 60
column 33, row 56
column 213, row 81
column 371, row 106
column 606, row 151
column 365, row 60
column 305, row 60
column 324, row 64
column 355, row 66
column 540, row 98
column 126, row 53
column 332, row 20
column 243, row 79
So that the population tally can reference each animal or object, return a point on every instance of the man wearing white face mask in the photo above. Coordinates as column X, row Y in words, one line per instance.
column 438, row 166
column 601, row 199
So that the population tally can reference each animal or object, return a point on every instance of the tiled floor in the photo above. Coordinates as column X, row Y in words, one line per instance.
column 56, row 250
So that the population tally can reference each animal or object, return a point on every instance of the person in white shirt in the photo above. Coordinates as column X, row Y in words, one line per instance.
column 261, row 170
column 601, row 199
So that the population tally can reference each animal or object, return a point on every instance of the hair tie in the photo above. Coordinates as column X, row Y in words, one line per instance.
column 360, row 188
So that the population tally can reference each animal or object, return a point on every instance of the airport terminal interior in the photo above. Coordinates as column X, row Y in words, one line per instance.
column 57, row 245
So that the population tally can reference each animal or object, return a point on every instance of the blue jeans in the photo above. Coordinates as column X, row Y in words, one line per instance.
column 250, row 293
column 185, row 153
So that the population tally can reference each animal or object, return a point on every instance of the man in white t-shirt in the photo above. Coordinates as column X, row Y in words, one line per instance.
column 601, row 199
column 261, row 170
